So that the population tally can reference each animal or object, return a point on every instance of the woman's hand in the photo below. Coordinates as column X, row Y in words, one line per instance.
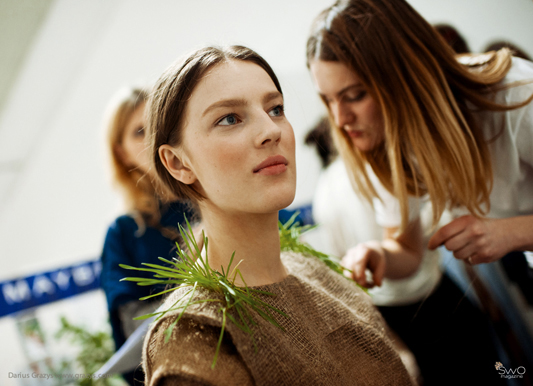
column 368, row 255
column 394, row 257
column 477, row 240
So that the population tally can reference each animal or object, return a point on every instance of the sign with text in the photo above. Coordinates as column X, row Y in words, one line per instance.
column 27, row 292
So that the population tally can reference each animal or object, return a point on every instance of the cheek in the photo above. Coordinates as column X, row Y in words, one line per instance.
column 290, row 140
column 130, row 148
column 377, row 118
column 139, row 146
column 217, row 162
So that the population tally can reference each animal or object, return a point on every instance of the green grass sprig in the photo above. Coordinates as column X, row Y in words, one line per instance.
column 290, row 240
column 194, row 271
column 289, row 234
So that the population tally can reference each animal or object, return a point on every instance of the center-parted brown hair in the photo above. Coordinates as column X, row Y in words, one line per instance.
column 433, row 144
column 168, row 102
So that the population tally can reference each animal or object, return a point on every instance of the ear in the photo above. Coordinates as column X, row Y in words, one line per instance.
column 177, row 164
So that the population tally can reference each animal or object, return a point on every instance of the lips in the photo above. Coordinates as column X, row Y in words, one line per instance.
column 272, row 165
column 355, row 133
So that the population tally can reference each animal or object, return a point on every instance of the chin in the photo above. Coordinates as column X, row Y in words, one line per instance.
column 286, row 201
column 280, row 198
column 363, row 145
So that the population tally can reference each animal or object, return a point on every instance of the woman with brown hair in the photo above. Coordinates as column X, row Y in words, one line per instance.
column 412, row 122
column 149, row 227
column 219, row 136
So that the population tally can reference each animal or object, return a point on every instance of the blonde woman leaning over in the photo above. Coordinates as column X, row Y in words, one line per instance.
column 219, row 136
column 413, row 121
column 149, row 227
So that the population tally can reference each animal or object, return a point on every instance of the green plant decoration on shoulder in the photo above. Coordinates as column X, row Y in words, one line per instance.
column 194, row 271
column 289, row 235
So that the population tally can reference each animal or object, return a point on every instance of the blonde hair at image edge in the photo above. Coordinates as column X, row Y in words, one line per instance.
column 136, row 187
column 433, row 144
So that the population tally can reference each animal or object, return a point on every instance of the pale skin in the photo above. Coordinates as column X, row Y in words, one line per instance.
column 235, row 115
column 132, row 148
column 477, row 240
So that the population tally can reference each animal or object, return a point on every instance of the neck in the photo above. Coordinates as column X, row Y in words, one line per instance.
column 253, row 237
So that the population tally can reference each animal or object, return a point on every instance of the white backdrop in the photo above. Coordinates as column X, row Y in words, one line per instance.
column 56, row 205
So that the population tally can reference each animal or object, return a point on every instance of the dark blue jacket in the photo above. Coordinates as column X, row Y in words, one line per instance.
column 123, row 246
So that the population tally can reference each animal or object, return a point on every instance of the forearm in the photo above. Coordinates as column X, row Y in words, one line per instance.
column 401, row 262
column 403, row 253
column 519, row 233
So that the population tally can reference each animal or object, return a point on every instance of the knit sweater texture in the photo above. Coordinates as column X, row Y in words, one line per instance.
column 333, row 335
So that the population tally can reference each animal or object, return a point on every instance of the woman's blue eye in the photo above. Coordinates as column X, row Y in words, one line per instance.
column 228, row 121
column 276, row 111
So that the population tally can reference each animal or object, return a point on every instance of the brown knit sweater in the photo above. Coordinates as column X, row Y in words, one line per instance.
column 333, row 336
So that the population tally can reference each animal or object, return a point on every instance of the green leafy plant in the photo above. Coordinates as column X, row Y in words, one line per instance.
column 194, row 271
column 289, row 235
column 290, row 240
column 96, row 349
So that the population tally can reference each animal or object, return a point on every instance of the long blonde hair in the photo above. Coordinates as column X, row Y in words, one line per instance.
column 433, row 144
column 138, row 192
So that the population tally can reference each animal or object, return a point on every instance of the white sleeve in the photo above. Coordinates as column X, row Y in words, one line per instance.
column 388, row 213
column 387, row 210
column 520, row 121
column 343, row 218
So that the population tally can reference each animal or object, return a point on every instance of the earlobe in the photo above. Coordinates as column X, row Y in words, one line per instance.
column 176, row 164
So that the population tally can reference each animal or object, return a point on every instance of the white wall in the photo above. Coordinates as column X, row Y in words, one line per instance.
column 55, row 209
column 55, row 200
column 59, row 207
column 482, row 21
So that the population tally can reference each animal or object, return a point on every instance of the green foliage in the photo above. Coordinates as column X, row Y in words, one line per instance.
column 289, row 235
column 193, row 272
column 96, row 349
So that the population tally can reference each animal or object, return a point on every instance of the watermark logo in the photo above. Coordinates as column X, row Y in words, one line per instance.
column 510, row 373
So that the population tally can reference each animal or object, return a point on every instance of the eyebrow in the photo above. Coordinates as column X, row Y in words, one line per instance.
column 345, row 89
column 239, row 102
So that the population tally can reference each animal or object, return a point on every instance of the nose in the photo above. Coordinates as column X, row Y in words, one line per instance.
column 270, row 132
column 341, row 114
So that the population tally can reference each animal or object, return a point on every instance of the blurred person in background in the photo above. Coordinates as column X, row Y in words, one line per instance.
column 147, row 230
column 515, row 50
column 456, row 41
column 319, row 137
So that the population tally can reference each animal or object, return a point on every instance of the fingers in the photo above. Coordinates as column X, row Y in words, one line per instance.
column 458, row 241
column 379, row 272
column 356, row 260
column 448, row 231
column 467, row 252
column 471, row 239
column 362, row 258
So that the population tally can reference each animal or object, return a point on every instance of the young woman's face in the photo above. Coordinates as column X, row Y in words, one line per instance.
column 237, row 141
column 349, row 102
column 132, row 150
